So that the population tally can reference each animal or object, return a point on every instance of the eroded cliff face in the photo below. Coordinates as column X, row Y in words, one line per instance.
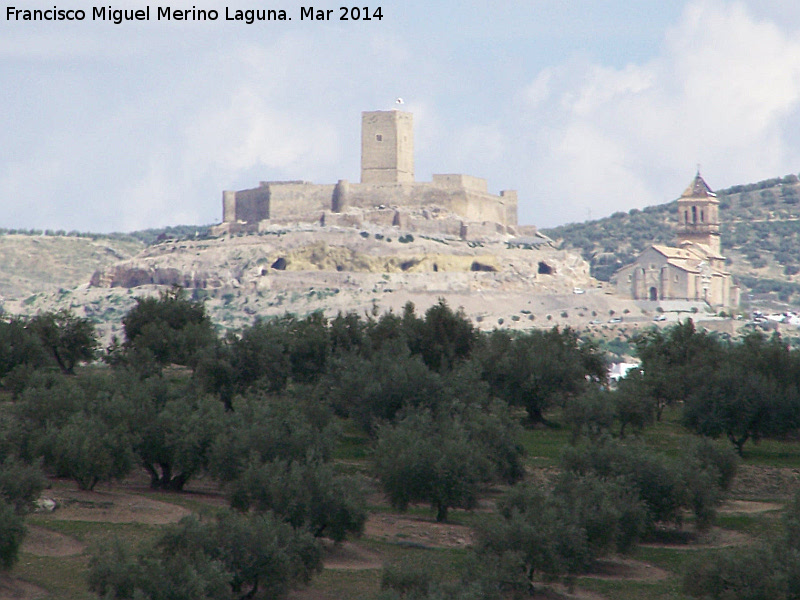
column 32, row 264
column 288, row 257
column 499, row 281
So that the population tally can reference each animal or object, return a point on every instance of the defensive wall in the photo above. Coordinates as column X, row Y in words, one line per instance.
column 386, row 195
column 285, row 201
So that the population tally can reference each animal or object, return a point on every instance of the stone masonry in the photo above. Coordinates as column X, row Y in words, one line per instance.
column 452, row 204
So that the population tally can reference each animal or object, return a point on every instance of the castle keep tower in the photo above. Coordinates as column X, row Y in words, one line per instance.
column 698, row 215
column 387, row 194
column 387, row 147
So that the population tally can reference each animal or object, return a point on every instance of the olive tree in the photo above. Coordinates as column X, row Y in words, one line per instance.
column 422, row 459
column 234, row 557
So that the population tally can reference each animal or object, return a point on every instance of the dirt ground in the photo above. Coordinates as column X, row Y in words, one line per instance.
column 40, row 541
column 755, row 482
column 625, row 568
column 132, row 502
column 748, row 507
column 421, row 533
column 16, row 589
column 113, row 507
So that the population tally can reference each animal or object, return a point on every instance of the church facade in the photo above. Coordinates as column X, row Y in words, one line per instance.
column 694, row 269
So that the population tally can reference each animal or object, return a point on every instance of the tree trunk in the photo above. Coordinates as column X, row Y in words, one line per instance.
column 66, row 369
column 176, row 483
column 154, row 478
column 252, row 592
column 739, row 443
column 441, row 513
column 535, row 416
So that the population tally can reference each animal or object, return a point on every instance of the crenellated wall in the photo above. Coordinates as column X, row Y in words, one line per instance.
column 387, row 181
column 463, row 195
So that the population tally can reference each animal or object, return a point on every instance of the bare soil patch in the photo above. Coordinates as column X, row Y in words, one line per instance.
column 113, row 507
column 41, row 541
column 558, row 591
column 758, row 482
column 716, row 537
column 17, row 589
column 349, row 556
column 417, row 532
column 627, row 569
column 747, row 507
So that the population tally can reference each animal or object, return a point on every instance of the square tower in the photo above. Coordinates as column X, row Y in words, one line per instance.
column 698, row 215
column 387, row 147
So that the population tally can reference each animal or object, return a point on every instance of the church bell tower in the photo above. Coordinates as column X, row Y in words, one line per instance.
column 698, row 215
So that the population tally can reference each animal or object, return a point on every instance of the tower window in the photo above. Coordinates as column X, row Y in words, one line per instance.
column 379, row 137
column 694, row 214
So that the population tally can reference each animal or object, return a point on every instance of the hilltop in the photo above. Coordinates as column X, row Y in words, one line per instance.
column 531, row 282
column 760, row 231
column 31, row 264
column 309, row 268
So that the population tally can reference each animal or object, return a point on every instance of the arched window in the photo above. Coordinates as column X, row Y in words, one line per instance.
column 702, row 217
column 686, row 216
column 694, row 214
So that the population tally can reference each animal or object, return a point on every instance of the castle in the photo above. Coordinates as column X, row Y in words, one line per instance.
column 695, row 269
column 387, row 195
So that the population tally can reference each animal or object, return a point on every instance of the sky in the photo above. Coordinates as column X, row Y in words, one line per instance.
column 585, row 108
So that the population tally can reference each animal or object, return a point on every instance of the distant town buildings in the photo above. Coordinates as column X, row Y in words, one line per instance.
column 694, row 269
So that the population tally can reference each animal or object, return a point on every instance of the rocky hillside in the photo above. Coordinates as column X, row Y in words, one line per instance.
column 498, row 282
column 31, row 264
column 760, row 234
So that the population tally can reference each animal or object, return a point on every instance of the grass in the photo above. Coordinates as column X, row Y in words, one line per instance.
column 773, row 453
column 348, row 585
column 543, row 445
column 65, row 577
column 669, row 589
column 90, row 532
column 352, row 446
column 758, row 524
column 673, row 559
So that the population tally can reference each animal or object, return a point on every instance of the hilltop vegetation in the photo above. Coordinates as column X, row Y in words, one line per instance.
column 760, row 235
column 311, row 427
column 144, row 236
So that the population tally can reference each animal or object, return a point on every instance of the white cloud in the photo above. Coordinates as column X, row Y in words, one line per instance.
column 249, row 133
column 720, row 92
column 138, row 125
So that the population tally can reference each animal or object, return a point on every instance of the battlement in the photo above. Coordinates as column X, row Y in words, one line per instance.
column 465, row 182
column 387, row 181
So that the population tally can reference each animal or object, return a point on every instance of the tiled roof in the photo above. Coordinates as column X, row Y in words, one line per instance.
column 698, row 189
column 679, row 253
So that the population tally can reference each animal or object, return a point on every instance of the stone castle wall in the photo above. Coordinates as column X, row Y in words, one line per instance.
column 303, row 201
column 387, row 181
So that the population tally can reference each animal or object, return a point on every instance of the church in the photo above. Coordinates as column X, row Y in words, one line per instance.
column 694, row 269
